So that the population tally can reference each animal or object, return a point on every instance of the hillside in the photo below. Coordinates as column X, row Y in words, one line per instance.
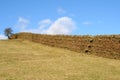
column 107, row 46
column 25, row 60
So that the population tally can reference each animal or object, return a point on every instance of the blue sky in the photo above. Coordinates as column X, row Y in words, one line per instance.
column 77, row 17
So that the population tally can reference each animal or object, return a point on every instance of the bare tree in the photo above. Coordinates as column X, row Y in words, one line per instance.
column 8, row 32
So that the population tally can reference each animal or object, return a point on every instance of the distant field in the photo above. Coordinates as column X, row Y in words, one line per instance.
column 24, row 60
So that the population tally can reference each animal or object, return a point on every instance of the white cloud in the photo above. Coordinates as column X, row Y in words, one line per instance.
column 21, row 19
column 63, row 25
column 22, row 23
column 44, row 23
column 61, row 11
column 87, row 23
column 2, row 36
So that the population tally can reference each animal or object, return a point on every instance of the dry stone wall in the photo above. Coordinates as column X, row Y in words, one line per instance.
column 102, row 45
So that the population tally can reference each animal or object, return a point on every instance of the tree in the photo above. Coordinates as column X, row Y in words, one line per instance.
column 8, row 32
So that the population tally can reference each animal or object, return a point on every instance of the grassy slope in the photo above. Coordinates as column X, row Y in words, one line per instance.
column 24, row 60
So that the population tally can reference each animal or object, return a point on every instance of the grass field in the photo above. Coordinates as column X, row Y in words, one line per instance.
column 24, row 60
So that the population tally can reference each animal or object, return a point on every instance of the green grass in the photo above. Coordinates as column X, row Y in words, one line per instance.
column 24, row 60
